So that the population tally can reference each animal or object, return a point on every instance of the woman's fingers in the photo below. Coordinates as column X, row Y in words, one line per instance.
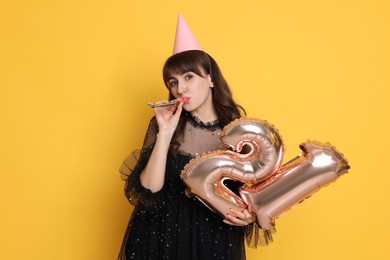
column 232, row 220
column 179, row 108
column 239, row 218
column 168, row 117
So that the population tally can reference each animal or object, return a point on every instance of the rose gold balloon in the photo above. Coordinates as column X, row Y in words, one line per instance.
column 205, row 174
column 265, row 148
column 269, row 190
column 318, row 165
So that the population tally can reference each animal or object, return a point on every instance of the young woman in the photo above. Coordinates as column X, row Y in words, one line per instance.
column 166, row 224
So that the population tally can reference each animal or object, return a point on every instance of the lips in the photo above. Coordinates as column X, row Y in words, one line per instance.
column 184, row 99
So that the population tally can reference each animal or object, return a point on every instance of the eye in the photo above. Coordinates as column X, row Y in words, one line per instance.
column 188, row 76
column 172, row 83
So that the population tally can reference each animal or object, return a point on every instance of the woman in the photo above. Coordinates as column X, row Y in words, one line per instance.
column 165, row 223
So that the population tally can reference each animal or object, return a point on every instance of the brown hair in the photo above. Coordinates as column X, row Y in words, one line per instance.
column 195, row 61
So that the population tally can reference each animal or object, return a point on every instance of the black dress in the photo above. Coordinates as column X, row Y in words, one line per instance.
column 168, row 224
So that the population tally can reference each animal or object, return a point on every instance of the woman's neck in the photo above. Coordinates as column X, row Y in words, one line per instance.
column 205, row 116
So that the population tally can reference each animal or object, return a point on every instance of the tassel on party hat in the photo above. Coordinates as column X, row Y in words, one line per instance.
column 185, row 39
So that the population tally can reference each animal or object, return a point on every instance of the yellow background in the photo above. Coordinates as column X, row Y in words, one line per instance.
column 75, row 78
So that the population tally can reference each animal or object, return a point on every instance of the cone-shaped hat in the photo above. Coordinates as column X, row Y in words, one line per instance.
column 185, row 39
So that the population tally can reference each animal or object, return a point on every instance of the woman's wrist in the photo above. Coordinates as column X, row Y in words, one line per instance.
column 164, row 138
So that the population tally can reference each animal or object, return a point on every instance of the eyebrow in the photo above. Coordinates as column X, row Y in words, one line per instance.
column 181, row 74
column 171, row 78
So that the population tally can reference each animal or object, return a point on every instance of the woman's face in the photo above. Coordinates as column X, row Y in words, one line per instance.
column 196, row 89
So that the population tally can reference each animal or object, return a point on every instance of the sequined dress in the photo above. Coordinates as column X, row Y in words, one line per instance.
column 168, row 224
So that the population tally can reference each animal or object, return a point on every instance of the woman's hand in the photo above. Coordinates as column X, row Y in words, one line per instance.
column 239, row 218
column 168, row 117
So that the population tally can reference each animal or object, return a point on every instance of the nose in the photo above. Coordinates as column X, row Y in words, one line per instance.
column 182, row 88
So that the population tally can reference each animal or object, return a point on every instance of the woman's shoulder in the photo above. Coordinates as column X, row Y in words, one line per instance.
column 153, row 122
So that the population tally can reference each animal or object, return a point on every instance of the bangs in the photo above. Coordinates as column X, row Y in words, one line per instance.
column 188, row 61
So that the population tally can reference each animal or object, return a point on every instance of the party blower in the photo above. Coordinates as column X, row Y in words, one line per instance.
column 168, row 103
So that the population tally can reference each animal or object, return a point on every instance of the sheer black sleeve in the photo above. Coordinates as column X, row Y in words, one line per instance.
column 132, row 168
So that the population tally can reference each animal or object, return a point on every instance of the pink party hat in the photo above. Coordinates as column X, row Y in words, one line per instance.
column 185, row 39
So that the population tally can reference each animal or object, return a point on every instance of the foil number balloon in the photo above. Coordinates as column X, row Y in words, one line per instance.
column 255, row 160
